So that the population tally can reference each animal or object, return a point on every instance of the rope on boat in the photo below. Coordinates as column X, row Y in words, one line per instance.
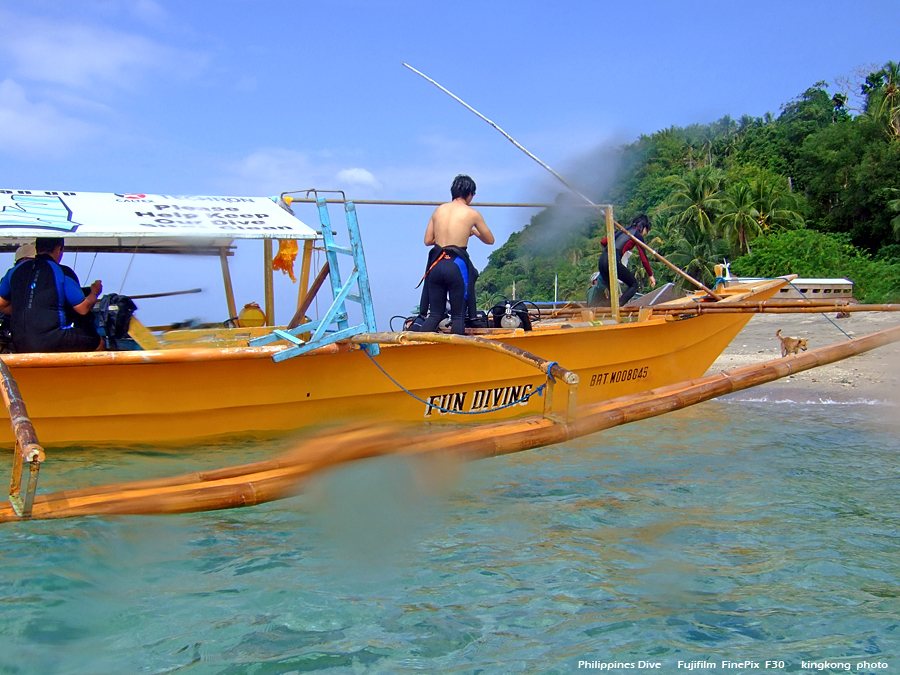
column 823, row 314
column 791, row 284
column 550, row 367
column 524, row 399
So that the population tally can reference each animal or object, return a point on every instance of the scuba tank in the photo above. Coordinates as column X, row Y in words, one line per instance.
column 510, row 315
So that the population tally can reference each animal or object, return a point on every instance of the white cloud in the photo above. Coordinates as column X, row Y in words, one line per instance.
column 83, row 57
column 271, row 171
column 35, row 129
column 63, row 76
column 357, row 177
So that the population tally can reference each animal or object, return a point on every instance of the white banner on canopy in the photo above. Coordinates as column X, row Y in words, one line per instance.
column 44, row 213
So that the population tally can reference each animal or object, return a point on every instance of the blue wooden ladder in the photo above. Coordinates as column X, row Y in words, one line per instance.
column 337, row 313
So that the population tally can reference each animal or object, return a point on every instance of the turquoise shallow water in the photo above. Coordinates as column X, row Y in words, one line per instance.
column 738, row 529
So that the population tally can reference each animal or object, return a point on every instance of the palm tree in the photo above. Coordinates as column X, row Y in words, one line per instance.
column 894, row 205
column 740, row 219
column 696, row 198
column 697, row 253
column 883, row 90
column 663, row 234
column 776, row 205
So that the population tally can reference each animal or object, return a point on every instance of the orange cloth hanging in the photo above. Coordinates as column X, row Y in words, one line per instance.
column 287, row 254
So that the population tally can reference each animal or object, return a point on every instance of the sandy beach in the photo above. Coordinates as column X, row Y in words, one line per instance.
column 872, row 376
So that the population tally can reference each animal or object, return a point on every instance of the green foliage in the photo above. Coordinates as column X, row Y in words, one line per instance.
column 808, row 253
column 719, row 190
column 882, row 90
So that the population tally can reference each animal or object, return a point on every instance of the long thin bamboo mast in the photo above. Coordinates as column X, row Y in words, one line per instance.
column 509, row 138
column 560, row 178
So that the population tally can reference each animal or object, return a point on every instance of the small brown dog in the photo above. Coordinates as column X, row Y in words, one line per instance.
column 791, row 345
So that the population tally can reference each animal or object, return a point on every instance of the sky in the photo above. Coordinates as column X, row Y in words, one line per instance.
column 257, row 97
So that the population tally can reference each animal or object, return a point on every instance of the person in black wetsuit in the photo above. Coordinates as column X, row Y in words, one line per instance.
column 450, row 273
column 37, row 293
column 639, row 228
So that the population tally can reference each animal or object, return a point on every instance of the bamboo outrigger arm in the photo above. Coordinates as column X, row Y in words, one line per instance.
column 28, row 450
column 280, row 478
column 763, row 308
column 744, row 307
column 551, row 368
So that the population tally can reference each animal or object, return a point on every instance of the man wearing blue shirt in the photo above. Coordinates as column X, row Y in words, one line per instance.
column 36, row 293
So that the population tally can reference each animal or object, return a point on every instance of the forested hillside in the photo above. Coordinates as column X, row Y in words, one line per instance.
column 814, row 191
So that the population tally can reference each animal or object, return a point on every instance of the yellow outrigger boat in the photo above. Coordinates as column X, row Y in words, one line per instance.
column 189, row 385
column 184, row 386
column 192, row 393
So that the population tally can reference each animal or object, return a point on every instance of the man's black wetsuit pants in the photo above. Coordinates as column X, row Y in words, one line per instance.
column 446, row 278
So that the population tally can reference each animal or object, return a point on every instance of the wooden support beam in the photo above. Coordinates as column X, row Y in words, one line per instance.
column 269, row 281
column 229, row 288
column 612, row 258
column 307, row 301
column 305, row 266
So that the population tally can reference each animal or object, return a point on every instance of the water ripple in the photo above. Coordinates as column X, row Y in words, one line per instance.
column 737, row 529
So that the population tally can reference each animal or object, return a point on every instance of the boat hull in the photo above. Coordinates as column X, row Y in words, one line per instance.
column 179, row 396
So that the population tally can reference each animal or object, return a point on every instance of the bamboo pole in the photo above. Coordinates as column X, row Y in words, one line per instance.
column 229, row 287
column 304, row 272
column 508, row 137
column 742, row 308
column 28, row 450
column 560, row 178
column 168, row 294
column 545, row 366
column 269, row 282
column 18, row 415
column 820, row 309
column 186, row 355
column 310, row 296
column 612, row 261
column 394, row 202
column 275, row 479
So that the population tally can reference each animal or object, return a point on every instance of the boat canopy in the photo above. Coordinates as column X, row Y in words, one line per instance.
column 99, row 221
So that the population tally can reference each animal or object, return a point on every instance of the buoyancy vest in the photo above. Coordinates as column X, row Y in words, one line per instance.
column 622, row 238
column 36, row 295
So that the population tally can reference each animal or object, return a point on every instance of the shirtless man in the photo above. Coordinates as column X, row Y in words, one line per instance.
column 453, row 223
column 450, row 272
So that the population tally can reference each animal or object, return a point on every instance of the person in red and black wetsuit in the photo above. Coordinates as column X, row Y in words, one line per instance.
column 639, row 227
column 37, row 293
